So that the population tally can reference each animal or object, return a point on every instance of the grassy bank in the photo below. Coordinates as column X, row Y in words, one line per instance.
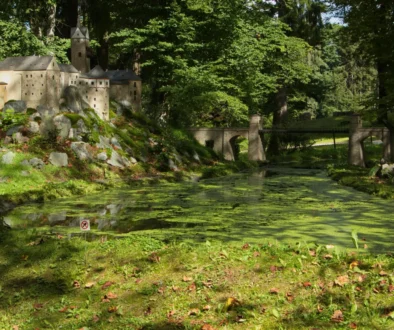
column 52, row 282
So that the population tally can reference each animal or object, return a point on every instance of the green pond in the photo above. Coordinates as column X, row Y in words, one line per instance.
column 284, row 205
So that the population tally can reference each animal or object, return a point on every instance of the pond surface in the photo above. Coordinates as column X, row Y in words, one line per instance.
column 286, row 205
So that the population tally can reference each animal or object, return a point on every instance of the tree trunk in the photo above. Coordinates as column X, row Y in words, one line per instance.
column 280, row 115
column 51, row 21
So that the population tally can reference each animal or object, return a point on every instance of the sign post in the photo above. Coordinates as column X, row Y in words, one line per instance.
column 84, row 225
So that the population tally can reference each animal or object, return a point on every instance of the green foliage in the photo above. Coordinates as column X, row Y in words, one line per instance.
column 17, row 40
column 9, row 119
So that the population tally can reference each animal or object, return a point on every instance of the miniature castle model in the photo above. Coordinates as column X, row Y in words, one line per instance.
column 40, row 80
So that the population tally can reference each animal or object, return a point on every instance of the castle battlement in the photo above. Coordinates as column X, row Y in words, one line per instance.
column 40, row 80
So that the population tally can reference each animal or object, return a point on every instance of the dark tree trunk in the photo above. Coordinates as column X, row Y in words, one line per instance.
column 280, row 115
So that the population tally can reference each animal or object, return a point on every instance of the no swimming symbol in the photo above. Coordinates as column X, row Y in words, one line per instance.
column 84, row 225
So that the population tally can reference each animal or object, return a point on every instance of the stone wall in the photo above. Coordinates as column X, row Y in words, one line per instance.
column 79, row 56
column 14, row 81
column 3, row 95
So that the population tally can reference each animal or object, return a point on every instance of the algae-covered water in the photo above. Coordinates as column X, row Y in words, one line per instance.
column 285, row 205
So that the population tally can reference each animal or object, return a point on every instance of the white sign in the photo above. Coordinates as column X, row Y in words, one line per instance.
column 84, row 225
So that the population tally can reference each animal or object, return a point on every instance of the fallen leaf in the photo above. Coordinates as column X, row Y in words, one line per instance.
column 187, row 279
column 148, row 311
column 391, row 288
column 306, row 284
column 289, row 297
column 206, row 308
column 89, row 285
column 24, row 257
column 76, row 284
column 232, row 302
column 193, row 312
column 110, row 296
column 383, row 273
column 171, row 313
column 154, row 257
column 245, row 246
column 319, row 308
column 63, row 310
column 239, row 319
column 15, row 327
column 273, row 269
column 353, row 325
column 106, row 285
column 365, row 246
column 208, row 284
column 328, row 256
column 353, row 264
column 138, row 280
column 38, row 306
column 256, row 254
column 175, row 288
column 161, row 290
column 207, row 326
column 112, row 309
column 342, row 280
column 191, row 287
column 330, row 246
column 312, row 253
column 337, row 316
column 96, row 319
column 376, row 290
column 274, row 291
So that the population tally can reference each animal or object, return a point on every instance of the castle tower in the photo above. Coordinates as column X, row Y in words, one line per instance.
column 79, row 46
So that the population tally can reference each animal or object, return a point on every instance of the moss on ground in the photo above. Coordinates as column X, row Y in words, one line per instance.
column 50, row 281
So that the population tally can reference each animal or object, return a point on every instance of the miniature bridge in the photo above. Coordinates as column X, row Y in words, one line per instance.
column 222, row 140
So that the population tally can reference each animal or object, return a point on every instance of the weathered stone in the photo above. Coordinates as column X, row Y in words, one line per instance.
column 73, row 100
column 118, row 161
column 13, row 130
column 17, row 106
column 63, row 126
column 25, row 163
column 25, row 173
column 114, row 141
column 7, row 140
column 114, row 209
column 19, row 138
column 58, row 159
column 81, row 150
column 172, row 165
column 45, row 111
column 133, row 160
column 387, row 170
column 33, row 127
column 37, row 163
column 35, row 116
column 47, row 127
column 8, row 158
column 102, row 156
column 82, row 128
column 58, row 217
column 196, row 157
column 104, row 143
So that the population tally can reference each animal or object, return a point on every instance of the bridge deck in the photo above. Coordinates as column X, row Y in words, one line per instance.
column 293, row 130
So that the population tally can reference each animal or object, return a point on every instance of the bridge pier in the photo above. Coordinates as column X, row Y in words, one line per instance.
column 221, row 139
column 357, row 137
column 255, row 148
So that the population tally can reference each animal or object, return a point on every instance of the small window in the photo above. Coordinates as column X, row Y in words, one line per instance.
column 32, row 93
column 27, row 76
column 80, row 82
column 40, row 93
column 80, row 54
column 53, row 77
column 25, row 93
column 33, row 85
column 53, row 64
column 27, row 85
column 31, row 76
column 94, row 105
column 92, row 83
column 101, row 82
column 135, row 84
column 135, row 93
column 95, row 99
column 42, row 85
column 107, row 83
column 42, row 75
